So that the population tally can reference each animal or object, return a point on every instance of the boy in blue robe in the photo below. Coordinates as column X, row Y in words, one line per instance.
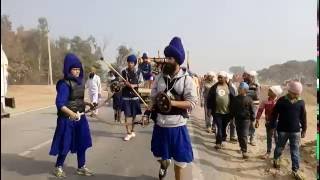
column 72, row 133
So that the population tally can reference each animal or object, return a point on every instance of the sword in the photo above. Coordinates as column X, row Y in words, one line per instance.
column 97, row 106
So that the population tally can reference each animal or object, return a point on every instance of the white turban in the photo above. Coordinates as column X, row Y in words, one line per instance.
column 211, row 73
column 252, row 73
column 223, row 74
column 277, row 90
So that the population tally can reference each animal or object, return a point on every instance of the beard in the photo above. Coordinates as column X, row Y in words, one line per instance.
column 209, row 79
column 169, row 68
column 221, row 82
column 247, row 80
column 91, row 75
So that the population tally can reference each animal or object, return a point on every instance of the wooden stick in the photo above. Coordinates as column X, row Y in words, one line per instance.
column 110, row 66
column 156, row 59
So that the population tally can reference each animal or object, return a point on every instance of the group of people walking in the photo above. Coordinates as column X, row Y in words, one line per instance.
column 225, row 103
column 240, row 109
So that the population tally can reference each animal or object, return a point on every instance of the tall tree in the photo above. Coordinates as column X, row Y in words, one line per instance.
column 123, row 53
column 27, row 52
column 237, row 69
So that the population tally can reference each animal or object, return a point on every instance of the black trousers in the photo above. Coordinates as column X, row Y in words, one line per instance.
column 222, row 121
column 242, row 127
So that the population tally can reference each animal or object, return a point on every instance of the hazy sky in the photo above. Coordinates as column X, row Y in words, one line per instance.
column 218, row 33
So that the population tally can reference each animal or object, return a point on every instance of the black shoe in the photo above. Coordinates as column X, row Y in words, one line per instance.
column 245, row 155
column 276, row 163
column 233, row 140
column 218, row 146
column 214, row 130
column 252, row 141
column 164, row 164
column 162, row 173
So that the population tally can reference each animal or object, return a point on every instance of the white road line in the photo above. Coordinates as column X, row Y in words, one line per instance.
column 35, row 148
column 17, row 114
column 196, row 171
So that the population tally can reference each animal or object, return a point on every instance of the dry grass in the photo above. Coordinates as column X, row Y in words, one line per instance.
column 29, row 97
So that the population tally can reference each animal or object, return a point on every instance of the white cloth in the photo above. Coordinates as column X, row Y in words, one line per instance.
column 4, row 73
column 277, row 90
column 234, row 88
column 229, row 76
column 211, row 73
column 110, row 78
column 4, row 78
column 223, row 74
column 94, row 88
column 252, row 73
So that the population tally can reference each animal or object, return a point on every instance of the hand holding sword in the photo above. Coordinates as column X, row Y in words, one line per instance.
column 76, row 116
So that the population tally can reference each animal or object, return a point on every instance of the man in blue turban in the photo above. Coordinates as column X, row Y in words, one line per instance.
column 130, row 101
column 146, row 69
column 170, row 138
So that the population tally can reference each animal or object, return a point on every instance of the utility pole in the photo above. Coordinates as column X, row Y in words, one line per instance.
column 39, row 56
column 50, row 65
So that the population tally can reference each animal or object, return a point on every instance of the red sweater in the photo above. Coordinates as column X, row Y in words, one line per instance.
column 267, row 106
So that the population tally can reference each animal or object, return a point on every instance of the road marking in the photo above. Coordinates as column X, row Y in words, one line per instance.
column 24, row 112
column 35, row 148
column 196, row 171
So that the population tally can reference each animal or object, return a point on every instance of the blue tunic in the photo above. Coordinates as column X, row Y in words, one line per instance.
column 146, row 70
column 117, row 101
column 69, row 135
column 130, row 104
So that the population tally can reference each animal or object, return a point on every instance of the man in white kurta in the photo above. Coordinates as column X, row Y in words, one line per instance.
column 94, row 88
column 4, row 76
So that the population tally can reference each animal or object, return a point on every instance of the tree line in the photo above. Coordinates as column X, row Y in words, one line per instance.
column 27, row 52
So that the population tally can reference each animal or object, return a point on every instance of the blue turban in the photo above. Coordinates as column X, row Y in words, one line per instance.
column 175, row 50
column 244, row 85
column 144, row 56
column 132, row 58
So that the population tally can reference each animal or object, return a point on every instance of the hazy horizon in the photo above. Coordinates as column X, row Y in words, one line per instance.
column 218, row 34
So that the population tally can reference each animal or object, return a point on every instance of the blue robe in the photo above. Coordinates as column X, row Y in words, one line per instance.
column 69, row 135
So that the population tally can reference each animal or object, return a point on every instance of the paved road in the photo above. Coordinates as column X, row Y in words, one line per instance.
column 26, row 139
